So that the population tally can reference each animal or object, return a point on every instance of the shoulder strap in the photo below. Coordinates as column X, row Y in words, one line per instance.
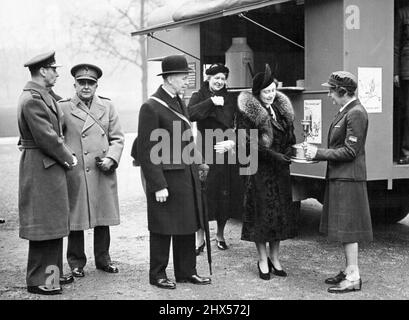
column 181, row 116
column 97, row 121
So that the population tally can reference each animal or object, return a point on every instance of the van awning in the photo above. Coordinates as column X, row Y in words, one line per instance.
column 194, row 11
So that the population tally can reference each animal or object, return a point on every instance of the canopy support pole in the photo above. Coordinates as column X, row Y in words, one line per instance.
column 172, row 46
column 241, row 15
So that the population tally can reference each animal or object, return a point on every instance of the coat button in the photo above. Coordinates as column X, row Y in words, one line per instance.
column 88, row 170
column 103, row 134
column 104, row 151
column 86, row 152
column 84, row 135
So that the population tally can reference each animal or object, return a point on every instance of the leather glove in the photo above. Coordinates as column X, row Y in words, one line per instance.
column 203, row 171
column 282, row 158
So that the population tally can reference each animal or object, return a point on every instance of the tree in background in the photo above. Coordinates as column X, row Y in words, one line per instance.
column 110, row 35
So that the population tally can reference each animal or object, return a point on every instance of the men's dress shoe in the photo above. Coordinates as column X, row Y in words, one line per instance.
column 78, row 272
column 261, row 274
column 66, row 279
column 337, row 279
column 109, row 268
column 346, row 286
column 200, row 248
column 163, row 283
column 403, row 160
column 280, row 273
column 195, row 279
column 222, row 245
column 44, row 290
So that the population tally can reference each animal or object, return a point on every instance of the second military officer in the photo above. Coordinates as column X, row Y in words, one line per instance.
column 94, row 133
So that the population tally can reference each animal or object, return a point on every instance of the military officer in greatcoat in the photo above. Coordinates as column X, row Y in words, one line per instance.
column 43, row 193
column 172, row 187
column 93, row 131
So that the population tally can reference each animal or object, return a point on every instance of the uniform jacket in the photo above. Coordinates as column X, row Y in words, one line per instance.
column 93, row 194
column 401, row 47
column 43, row 194
column 346, row 144
column 182, row 212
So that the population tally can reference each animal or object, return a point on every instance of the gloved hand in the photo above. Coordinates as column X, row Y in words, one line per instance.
column 203, row 171
column 218, row 101
column 282, row 158
column 224, row 146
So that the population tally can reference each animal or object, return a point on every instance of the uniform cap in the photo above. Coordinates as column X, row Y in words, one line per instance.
column 86, row 71
column 45, row 60
column 341, row 79
column 174, row 64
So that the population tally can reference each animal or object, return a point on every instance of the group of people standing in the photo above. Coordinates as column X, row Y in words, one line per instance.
column 268, row 212
column 67, row 179
column 70, row 151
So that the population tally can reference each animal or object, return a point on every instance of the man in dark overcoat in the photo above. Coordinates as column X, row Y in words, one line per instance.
column 43, row 194
column 92, row 130
column 172, row 185
column 346, row 215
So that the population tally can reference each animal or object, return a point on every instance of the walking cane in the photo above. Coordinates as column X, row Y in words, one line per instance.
column 203, row 170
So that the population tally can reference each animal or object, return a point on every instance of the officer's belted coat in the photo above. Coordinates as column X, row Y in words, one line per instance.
column 93, row 194
column 181, row 214
column 43, row 195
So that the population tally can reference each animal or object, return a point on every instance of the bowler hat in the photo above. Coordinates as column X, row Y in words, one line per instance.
column 86, row 71
column 262, row 80
column 341, row 79
column 174, row 64
column 44, row 60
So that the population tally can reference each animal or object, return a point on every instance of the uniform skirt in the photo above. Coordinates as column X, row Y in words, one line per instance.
column 346, row 216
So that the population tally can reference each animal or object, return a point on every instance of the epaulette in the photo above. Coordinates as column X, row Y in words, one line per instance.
column 104, row 98
column 35, row 94
column 64, row 100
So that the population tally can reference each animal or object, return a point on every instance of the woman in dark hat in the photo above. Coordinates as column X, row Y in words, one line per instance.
column 215, row 108
column 270, row 214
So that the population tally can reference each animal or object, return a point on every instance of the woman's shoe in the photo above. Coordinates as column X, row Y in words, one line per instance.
column 222, row 245
column 200, row 248
column 262, row 275
column 280, row 273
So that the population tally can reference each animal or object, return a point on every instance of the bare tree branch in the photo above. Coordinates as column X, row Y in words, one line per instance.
column 110, row 35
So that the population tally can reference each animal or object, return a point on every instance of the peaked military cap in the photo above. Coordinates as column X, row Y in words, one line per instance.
column 45, row 60
column 86, row 71
column 341, row 79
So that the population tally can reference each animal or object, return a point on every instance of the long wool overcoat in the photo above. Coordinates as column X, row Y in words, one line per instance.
column 270, row 214
column 43, row 195
column 93, row 193
column 181, row 214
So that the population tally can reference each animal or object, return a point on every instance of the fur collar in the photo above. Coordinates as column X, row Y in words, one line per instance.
column 251, row 108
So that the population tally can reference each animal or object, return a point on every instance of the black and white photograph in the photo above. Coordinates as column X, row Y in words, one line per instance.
column 204, row 155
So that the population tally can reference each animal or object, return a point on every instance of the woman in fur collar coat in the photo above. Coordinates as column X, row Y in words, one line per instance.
column 270, row 215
